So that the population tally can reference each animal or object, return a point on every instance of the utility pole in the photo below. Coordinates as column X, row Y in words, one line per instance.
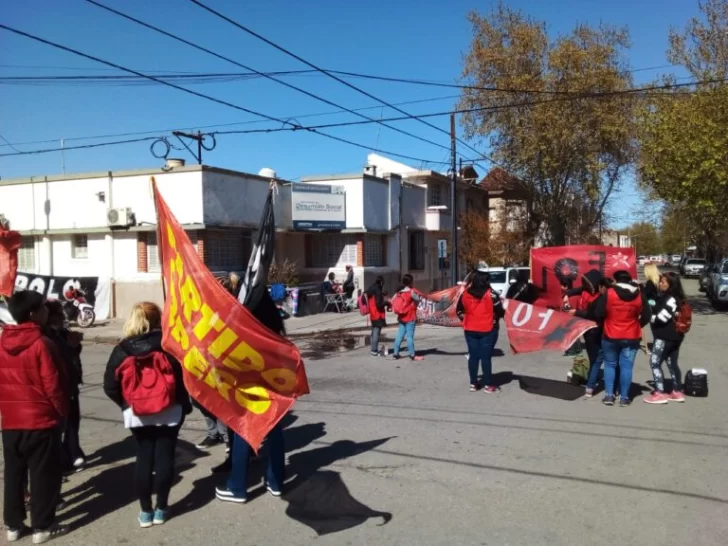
column 197, row 137
column 453, row 200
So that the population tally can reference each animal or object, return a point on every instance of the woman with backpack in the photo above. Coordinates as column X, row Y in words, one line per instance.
column 404, row 304
column 480, row 309
column 153, row 414
column 668, row 331
column 377, row 311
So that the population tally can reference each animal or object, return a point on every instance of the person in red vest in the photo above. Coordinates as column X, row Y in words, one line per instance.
column 480, row 309
column 377, row 311
column 407, row 319
column 624, row 313
column 33, row 406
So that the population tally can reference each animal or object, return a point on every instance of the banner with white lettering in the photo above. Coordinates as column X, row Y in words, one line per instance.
column 98, row 291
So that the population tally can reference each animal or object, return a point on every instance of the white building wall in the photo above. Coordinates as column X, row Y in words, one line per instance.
column 182, row 191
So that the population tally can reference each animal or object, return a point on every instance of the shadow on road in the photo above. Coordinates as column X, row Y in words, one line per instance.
column 436, row 351
column 113, row 488
column 320, row 498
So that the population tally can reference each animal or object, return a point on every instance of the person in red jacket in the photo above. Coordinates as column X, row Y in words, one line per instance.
column 407, row 319
column 377, row 311
column 480, row 309
column 624, row 312
column 33, row 405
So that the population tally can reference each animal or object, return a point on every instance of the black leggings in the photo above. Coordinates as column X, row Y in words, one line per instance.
column 155, row 464
column 665, row 350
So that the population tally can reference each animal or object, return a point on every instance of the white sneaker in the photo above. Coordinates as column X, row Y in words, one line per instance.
column 55, row 531
column 13, row 535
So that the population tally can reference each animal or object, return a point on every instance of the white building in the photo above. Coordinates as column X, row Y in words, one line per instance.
column 390, row 224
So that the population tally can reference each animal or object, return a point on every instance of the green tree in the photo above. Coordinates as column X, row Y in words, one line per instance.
column 646, row 238
column 682, row 133
column 564, row 150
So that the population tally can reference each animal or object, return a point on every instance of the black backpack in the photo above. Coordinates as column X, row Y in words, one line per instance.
column 696, row 385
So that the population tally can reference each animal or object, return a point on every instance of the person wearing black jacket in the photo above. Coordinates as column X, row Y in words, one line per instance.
column 69, row 347
column 155, row 435
column 624, row 312
column 592, row 287
column 523, row 289
column 667, row 340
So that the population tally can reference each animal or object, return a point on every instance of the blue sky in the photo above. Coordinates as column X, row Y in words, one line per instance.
column 414, row 39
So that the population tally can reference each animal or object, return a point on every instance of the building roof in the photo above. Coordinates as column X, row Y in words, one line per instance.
column 500, row 180
column 135, row 172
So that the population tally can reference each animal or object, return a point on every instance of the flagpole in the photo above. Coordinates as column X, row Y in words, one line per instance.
column 159, row 240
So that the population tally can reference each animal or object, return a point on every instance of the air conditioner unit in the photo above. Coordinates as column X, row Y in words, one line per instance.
column 120, row 218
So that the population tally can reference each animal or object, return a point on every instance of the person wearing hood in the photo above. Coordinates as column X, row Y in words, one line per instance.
column 33, row 406
column 377, row 311
column 155, row 434
column 523, row 289
column 592, row 286
column 624, row 312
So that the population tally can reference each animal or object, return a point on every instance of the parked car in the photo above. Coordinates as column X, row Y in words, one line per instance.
column 675, row 260
column 718, row 283
column 704, row 280
column 642, row 260
column 693, row 267
column 502, row 277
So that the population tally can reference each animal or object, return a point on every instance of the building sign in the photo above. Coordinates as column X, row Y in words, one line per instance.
column 318, row 207
column 442, row 248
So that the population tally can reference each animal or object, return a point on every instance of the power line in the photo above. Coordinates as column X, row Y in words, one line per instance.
column 329, row 74
column 248, row 122
column 523, row 104
column 79, row 147
column 8, row 143
column 197, row 94
column 272, row 78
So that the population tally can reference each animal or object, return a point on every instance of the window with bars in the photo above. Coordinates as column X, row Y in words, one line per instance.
column 227, row 250
column 331, row 250
column 153, row 264
column 417, row 251
column 26, row 255
column 79, row 247
column 374, row 249
column 435, row 195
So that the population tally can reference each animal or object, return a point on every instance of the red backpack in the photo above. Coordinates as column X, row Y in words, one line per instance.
column 147, row 382
column 363, row 304
column 400, row 303
column 684, row 318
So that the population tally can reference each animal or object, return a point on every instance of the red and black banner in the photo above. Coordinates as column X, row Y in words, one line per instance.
column 553, row 268
column 530, row 328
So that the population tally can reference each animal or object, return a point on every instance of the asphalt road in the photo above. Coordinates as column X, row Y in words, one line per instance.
column 399, row 453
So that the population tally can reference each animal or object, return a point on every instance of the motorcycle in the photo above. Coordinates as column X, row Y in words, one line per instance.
column 79, row 310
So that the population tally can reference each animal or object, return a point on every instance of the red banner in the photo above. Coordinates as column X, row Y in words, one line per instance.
column 239, row 370
column 530, row 328
column 554, row 267
column 9, row 245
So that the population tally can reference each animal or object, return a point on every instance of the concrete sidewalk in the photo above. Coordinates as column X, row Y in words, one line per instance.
column 109, row 331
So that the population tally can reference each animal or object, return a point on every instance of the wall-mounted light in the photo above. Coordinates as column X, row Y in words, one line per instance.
column 101, row 196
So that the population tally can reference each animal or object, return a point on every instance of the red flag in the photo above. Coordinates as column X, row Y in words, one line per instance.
column 530, row 328
column 9, row 245
column 239, row 370
column 554, row 267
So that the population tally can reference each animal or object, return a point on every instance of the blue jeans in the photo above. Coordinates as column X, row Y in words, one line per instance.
column 405, row 329
column 240, row 457
column 622, row 353
column 480, row 351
